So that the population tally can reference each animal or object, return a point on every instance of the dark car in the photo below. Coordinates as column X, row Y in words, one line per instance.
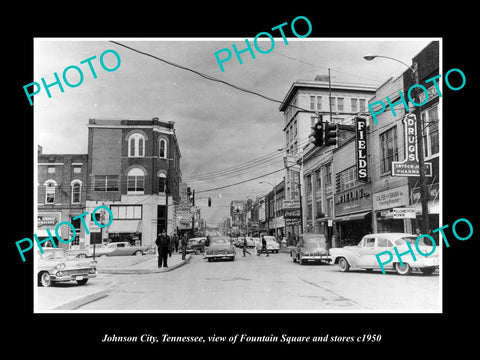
column 310, row 247
column 221, row 247
column 196, row 245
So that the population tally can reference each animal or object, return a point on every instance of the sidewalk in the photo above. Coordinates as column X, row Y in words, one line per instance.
column 69, row 296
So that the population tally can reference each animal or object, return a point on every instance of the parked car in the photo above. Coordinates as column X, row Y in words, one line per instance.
column 54, row 266
column 220, row 248
column 272, row 244
column 123, row 248
column 310, row 247
column 363, row 255
column 196, row 245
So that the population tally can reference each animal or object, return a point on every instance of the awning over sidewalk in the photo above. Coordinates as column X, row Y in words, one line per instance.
column 125, row 226
column 357, row 216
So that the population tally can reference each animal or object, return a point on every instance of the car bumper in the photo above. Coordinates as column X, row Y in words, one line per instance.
column 60, row 276
column 429, row 262
column 219, row 256
column 317, row 257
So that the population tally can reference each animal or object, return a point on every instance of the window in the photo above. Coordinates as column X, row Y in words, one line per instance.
column 76, row 225
column 354, row 105
column 126, row 212
column 318, row 179
column 309, row 184
column 50, row 187
column 369, row 242
column 51, row 169
column 431, row 142
column 334, row 103
column 162, row 183
column 105, row 183
column 363, row 105
column 312, row 102
column 346, row 179
column 135, row 181
column 328, row 179
column 315, row 103
column 319, row 208
column 309, row 211
column 136, row 145
column 340, row 104
column 76, row 191
column 162, row 149
column 77, row 169
column 382, row 242
column 388, row 149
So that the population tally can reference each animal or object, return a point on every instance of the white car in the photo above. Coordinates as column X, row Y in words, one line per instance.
column 272, row 244
column 363, row 255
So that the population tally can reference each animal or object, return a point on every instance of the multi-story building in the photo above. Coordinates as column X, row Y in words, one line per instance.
column 304, row 102
column 134, row 169
column 61, row 196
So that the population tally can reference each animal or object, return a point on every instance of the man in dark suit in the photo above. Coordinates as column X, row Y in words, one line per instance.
column 162, row 242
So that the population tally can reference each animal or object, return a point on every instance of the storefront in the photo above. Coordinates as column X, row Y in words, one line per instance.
column 386, row 214
column 353, row 215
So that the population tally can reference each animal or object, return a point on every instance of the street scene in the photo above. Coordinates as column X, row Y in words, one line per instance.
column 304, row 178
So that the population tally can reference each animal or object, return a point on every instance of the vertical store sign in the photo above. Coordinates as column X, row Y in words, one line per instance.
column 361, row 148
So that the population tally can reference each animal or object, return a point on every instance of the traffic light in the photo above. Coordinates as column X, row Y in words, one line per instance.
column 317, row 133
column 209, row 201
column 330, row 134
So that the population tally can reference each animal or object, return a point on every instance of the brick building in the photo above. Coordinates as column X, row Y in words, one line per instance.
column 134, row 169
column 61, row 195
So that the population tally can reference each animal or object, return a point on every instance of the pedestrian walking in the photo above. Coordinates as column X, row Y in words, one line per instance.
column 176, row 242
column 171, row 245
column 183, row 244
column 264, row 246
column 162, row 243
column 245, row 247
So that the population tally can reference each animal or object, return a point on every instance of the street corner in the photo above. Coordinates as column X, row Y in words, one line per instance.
column 68, row 296
column 149, row 266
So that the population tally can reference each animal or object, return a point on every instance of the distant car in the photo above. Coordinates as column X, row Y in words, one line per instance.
column 310, row 247
column 272, row 245
column 54, row 266
column 220, row 248
column 123, row 248
column 196, row 245
column 363, row 255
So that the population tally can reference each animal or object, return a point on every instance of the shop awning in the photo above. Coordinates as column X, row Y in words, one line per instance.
column 125, row 226
column 357, row 216
column 433, row 207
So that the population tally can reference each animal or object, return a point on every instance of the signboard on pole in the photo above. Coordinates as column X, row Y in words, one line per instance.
column 292, row 217
column 404, row 213
column 361, row 148
column 410, row 165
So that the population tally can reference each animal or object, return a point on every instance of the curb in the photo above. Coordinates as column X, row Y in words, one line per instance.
column 145, row 271
column 84, row 299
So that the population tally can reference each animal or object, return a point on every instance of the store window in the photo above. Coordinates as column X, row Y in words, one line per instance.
column 105, row 183
column 388, row 149
column 126, row 212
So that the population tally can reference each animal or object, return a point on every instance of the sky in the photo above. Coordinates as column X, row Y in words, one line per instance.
column 218, row 127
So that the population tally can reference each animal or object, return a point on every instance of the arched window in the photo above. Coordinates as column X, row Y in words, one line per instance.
column 135, row 181
column 50, row 187
column 162, row 183
column 162, row 152
column 76, row 191
column 136, row 145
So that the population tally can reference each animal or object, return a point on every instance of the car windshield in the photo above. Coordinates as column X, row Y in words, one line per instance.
column 220, row 241
column 313, row 244
column 54, row 254
column 412, row 240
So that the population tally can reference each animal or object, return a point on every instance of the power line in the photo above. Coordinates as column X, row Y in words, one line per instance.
column 208, row 77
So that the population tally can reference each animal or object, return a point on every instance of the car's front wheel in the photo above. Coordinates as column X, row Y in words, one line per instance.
column 45, row 280
column 138, row 253
column 343, row 265
column 403, row 270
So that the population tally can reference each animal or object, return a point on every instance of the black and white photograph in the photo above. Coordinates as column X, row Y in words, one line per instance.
column 277, row 188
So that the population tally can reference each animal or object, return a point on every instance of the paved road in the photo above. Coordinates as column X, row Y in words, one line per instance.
column 272, row 283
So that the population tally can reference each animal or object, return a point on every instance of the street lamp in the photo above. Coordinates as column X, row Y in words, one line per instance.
column 421, row 156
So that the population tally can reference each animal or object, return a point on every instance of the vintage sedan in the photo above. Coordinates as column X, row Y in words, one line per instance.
column 272, row 245
column 54, row 266
column 363, row 255
column 310, row 247
column 196, row 245
column 123, row 248
column 220, row 248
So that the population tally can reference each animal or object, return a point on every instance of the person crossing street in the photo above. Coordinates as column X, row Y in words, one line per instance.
column 245, row 246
